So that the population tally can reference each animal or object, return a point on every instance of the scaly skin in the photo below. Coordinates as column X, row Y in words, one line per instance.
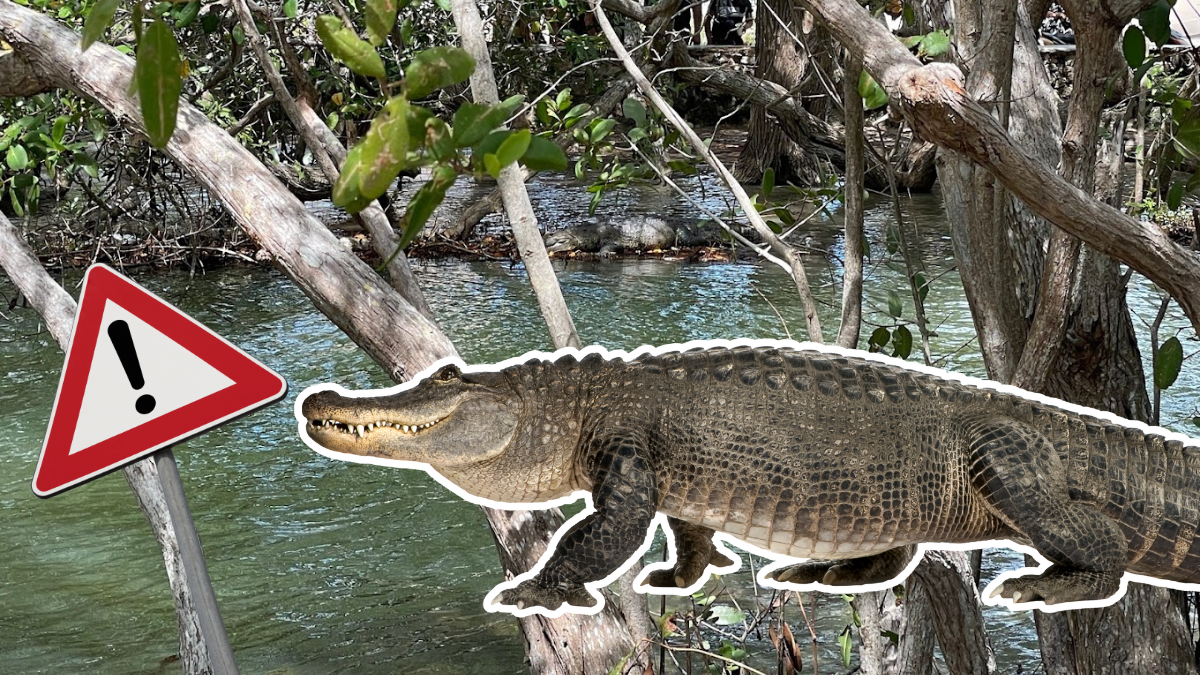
column 809, row 454
column 640, row 233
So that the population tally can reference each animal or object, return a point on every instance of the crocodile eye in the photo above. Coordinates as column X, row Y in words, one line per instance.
column 446, row 374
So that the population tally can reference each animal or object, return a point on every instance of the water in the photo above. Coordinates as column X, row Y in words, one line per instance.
column 331, row 567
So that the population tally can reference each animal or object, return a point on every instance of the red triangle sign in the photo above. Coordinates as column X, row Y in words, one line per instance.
column 139, row 376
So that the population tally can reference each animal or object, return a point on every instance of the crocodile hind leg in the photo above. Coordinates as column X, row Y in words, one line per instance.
column 694, row 552
column 625, row 495
column 873, row 569
column 1021, row 478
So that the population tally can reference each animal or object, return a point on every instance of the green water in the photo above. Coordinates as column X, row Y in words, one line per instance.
column 331, row 567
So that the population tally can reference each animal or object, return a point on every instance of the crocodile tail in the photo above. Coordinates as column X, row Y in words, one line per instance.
column 1153, row 493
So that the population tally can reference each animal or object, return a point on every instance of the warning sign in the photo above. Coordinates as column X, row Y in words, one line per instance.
column 139, row 376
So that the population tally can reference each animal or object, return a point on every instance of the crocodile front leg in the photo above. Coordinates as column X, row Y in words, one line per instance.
column 873, row 569
column 625, row 495
column 694, row 552
column 1022, row 480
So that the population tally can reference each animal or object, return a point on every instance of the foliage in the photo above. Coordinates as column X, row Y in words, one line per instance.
column 41, row 146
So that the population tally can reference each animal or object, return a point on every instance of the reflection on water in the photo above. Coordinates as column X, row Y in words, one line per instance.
column 332, row 567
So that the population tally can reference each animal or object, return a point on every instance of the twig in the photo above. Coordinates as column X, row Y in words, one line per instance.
column 757, row 248
column 779, row 248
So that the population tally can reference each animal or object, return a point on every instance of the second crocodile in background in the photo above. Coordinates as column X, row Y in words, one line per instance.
column 634, row 233
column 804, row 451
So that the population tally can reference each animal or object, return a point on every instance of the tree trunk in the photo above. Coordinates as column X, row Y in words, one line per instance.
column 57, row 309
column 778, row 59
column 957, row 612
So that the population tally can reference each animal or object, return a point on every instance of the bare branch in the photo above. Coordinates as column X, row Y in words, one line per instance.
column 852, row 263
column 512, row 187
column 778, row 247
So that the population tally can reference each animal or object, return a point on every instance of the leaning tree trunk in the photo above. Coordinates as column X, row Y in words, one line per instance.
column 779, row 59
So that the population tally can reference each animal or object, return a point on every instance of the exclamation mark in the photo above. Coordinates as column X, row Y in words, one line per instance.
column 118, row 332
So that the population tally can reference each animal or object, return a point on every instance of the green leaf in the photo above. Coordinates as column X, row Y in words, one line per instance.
column 97, row 22
column 17, row 158
column 1156, row 22
column 935, row 44
column 1187, row 137
column 634, row 110
column 1175, row 196
column 1133, row 46
column 1196, row 421
column 575, row 113
column 912, row 41
column 239, row 34
column 289, row 8
column 491, row 143
column 347, row 47
column 727, row 615
column 384, row 148
column 846, row 641
column 211, row 21
column 513, row 147
column 1167, row 363
column 601, row 129
column 878, row 339
column 60, row 128
column 903, row 340
column 895, row 305
column 474, row 121
column 768, row 182
column 544, row 155
column 435, row 69
column 186, row 14
column 417, row 116
column 381, row 17
column 158, row 82
column 444, row 4
column 872, row 94
column 438, row 139
column 346, row 192
column 492, row 165
column 892, row 238
column 425, row 201
column 922, row 285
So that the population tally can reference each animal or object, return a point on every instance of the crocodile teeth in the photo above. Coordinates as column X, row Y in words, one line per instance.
column 360, row 430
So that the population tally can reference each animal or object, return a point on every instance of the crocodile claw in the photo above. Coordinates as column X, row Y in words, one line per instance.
column 1058, row 585
column 688, row 569
column 534, row 593
column 801, row 573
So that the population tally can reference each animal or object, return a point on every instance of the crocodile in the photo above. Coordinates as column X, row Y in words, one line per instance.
column 851, row 461
column 633, row 233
